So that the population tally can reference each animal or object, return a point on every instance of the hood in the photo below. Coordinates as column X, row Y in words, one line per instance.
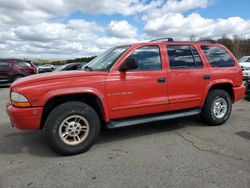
column 54, row 76
column 245, row 64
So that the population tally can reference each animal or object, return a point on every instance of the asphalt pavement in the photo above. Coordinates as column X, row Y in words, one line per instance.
column 180, row 153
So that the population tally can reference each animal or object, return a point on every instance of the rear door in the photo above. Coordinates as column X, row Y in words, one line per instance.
column 188, row 77
column 5, row 71
column 141, row 91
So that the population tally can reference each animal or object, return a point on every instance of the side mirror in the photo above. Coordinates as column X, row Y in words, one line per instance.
column 130, row 63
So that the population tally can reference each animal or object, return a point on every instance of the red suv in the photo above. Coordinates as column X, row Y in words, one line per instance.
column 128, row 85
column 13, row 69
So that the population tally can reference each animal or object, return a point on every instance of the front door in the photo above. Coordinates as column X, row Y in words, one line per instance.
column 140, row 91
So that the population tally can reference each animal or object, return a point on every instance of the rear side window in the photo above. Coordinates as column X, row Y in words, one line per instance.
column 217, row 56
column 4, row 65
column 183, row 56
column 148, row 58
column 24, row 64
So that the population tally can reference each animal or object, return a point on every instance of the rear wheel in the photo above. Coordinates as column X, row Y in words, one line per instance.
column 72, row 128
column 217, row 108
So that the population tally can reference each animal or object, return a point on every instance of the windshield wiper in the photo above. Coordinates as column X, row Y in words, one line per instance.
column 88, row 68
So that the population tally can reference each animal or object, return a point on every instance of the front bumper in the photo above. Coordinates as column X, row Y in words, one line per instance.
column 25, row 118
column 239, row 92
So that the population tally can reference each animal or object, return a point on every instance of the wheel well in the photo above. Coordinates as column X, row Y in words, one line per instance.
column 15, row 76
column 90, row 99
column 225, row 86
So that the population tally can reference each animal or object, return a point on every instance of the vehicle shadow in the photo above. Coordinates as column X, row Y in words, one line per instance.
column 34, row 142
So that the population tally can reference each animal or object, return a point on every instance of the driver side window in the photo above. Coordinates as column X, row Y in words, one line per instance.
column 148, row 58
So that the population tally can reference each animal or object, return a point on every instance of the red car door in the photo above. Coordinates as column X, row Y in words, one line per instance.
column 140, row 91
column 188, row 77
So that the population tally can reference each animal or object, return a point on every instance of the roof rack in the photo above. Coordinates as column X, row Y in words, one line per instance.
column 163, row 40
column 207, row 41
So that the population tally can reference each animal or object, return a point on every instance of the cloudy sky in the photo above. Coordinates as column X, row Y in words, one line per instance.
column 60, row 29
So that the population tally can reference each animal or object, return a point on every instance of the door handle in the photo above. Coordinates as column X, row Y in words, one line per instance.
column 161, row 80
column 206, row 77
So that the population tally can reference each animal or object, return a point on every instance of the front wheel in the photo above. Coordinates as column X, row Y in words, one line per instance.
column 217, row 108
column 72, row 128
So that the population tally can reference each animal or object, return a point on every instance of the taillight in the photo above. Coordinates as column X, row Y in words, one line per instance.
column 34, row 69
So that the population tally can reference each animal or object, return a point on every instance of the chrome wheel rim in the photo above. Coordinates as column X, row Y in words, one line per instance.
column 73, row 130
column 220, row 108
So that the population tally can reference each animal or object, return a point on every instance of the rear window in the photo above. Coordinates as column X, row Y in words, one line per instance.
column 218, row 56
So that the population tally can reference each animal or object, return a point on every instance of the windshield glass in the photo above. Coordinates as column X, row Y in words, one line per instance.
column 245, row 59
column 60, row 68
column 105, row 61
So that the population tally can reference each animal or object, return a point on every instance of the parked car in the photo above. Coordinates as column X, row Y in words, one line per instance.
column 128, row 85
column 69, row 66
column 45, row 68
column 13, row 69
column 247, row 85
column 245, row 65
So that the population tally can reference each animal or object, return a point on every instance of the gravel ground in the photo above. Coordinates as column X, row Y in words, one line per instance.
column 180, row 153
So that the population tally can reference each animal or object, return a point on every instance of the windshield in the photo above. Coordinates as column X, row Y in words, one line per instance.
column 60, row 68
column 105, row 61
column 245, row 59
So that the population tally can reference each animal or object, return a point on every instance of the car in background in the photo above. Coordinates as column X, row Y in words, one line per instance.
column 13, row 69
column 245, row 66
column 247, row 85
column 45, row 68
column 70, row 66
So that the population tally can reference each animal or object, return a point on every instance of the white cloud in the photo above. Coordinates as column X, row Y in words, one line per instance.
column 178, row 26
column 31, row 28
column 121, row 29
column 174, row 6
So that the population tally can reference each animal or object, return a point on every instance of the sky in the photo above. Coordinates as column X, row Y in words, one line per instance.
column 67, row 29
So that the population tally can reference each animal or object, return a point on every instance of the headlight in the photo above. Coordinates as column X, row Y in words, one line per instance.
column 19, row 100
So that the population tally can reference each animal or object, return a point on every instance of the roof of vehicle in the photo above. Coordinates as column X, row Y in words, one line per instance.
column 172, row 41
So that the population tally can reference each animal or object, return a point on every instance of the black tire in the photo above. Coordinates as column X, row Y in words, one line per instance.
column 58, row 115
column 208, row 115
column 15, row 78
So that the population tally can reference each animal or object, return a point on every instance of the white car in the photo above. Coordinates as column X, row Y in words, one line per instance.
column 245, row 65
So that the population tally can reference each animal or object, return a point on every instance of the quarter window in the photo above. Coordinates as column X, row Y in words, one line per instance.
column 148, row 58
column 182, row 57
column 217, row 56
column 24, row 64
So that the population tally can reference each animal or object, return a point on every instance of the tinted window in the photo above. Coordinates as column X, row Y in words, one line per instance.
column 183, row 57
column 217, row 56
column 4, row 65
column 148, row 58
column 73, row 67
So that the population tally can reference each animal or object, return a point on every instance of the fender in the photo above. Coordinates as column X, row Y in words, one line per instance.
column 211, row 84
column 79, row 90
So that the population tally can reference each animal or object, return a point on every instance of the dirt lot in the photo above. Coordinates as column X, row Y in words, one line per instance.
column 183, row 153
